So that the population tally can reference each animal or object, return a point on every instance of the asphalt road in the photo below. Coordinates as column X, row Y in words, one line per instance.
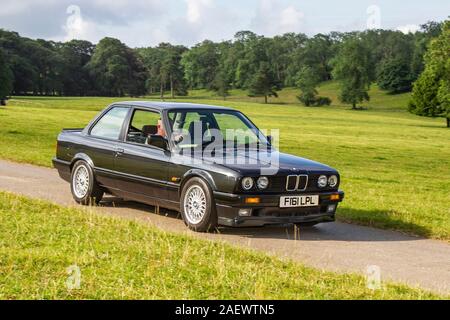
column 336, row 246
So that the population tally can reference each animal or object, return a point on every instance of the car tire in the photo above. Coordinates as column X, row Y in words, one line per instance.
column 197, row 206
column 85, row 189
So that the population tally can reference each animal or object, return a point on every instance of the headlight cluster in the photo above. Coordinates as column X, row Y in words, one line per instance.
column 248, row 183
column 331, row 181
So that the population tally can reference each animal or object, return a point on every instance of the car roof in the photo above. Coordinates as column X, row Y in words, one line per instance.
column 159, row 105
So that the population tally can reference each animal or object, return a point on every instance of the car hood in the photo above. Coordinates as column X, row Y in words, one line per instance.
column 257, row 162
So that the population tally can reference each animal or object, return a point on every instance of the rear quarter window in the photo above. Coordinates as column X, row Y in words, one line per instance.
column 110, row 125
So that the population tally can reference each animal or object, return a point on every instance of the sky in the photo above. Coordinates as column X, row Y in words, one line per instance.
column 142, row 23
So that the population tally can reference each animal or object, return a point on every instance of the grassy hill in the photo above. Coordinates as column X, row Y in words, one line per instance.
column 394, row 165
column 121, row 259
column 380, row 100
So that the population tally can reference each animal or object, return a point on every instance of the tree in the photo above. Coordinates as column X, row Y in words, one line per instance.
column 200, row 64
column 422, row 39
column 391, row 59
column 17, row 51
column 352, row 70
column 164, row 69
column 394, row 75
column 79, row 68
column 252, row 51
column 171, row 68
column 221, row 84
column 387, row 46
column 49, row 66
column 431, row 92
column 317, row 54
column 35, row 64
column 263, row 83
column 444, row 97
column 75, row 78
column 116, row 69
column 288, row 53
column 152, row 60
column 6, row 79
column 307, row 81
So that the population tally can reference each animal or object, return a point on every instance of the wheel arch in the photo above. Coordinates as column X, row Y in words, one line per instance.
column 81, row 156
column 199, row 174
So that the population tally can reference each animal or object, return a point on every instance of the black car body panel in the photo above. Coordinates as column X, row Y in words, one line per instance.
column 151, row 175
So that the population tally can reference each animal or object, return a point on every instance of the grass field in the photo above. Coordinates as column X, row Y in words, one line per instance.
column 395, row 166
column 379, row 99
column 121, row 259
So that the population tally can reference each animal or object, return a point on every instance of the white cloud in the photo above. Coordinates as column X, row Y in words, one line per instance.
column 409, row 28
column 291, row 19
column 204, row 19
column 11, row 8
column 271, row 20
column 196, row 9
column 138, row 25
column 128, row 10
column 149, row 22
column 16, row 7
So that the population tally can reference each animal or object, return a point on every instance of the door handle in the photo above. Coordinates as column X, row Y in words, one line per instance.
column 119, row 151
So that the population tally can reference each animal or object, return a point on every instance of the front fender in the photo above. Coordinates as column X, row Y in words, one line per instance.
column 198, row 173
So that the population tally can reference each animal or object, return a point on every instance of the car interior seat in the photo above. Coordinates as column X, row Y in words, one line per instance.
column 149, row 130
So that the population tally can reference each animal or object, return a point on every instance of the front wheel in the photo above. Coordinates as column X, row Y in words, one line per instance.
column 85, row 189
column 197, row 206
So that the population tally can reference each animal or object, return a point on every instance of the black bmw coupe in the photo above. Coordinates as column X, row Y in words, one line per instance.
column 210, row 163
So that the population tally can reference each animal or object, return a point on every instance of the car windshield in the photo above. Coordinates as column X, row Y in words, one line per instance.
column 229, row 128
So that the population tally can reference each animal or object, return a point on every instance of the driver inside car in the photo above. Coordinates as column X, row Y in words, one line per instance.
column 160, row 129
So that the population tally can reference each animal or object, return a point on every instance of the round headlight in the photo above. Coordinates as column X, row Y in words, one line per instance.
column 247, row 183
column 333, row 181
column 263, row 182
column 322, row 182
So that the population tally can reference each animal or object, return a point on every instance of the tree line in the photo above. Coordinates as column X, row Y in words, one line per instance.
column 261, row 65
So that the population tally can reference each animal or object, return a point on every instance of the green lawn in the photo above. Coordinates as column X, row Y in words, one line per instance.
column 379, row 99
column 122, row 259
column 395, row 166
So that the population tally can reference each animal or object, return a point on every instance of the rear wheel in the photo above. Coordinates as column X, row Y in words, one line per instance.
column 197, row 206
column 85, row 189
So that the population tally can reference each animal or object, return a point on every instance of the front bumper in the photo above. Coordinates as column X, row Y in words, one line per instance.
column 268, row 212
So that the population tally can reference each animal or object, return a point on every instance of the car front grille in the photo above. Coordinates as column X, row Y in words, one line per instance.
column 287, row 183
column 296, row 182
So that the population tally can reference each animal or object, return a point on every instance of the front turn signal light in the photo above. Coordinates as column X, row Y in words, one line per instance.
column 334, row 197
column 252, row 200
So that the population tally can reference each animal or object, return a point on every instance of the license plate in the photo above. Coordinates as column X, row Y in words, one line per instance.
column 299, row 201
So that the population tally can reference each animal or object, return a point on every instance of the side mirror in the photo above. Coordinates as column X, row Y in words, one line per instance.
column 178, row 138
column 269, row 139
column 157, row 141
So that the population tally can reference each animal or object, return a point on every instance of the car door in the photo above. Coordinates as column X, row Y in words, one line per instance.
column 142, row 169
column 101, row 143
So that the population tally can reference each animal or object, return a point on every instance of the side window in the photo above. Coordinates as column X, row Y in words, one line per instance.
column 144, row 123
column 191, row 123
column 110, row 124
column 233, row 128
column 191, row 117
